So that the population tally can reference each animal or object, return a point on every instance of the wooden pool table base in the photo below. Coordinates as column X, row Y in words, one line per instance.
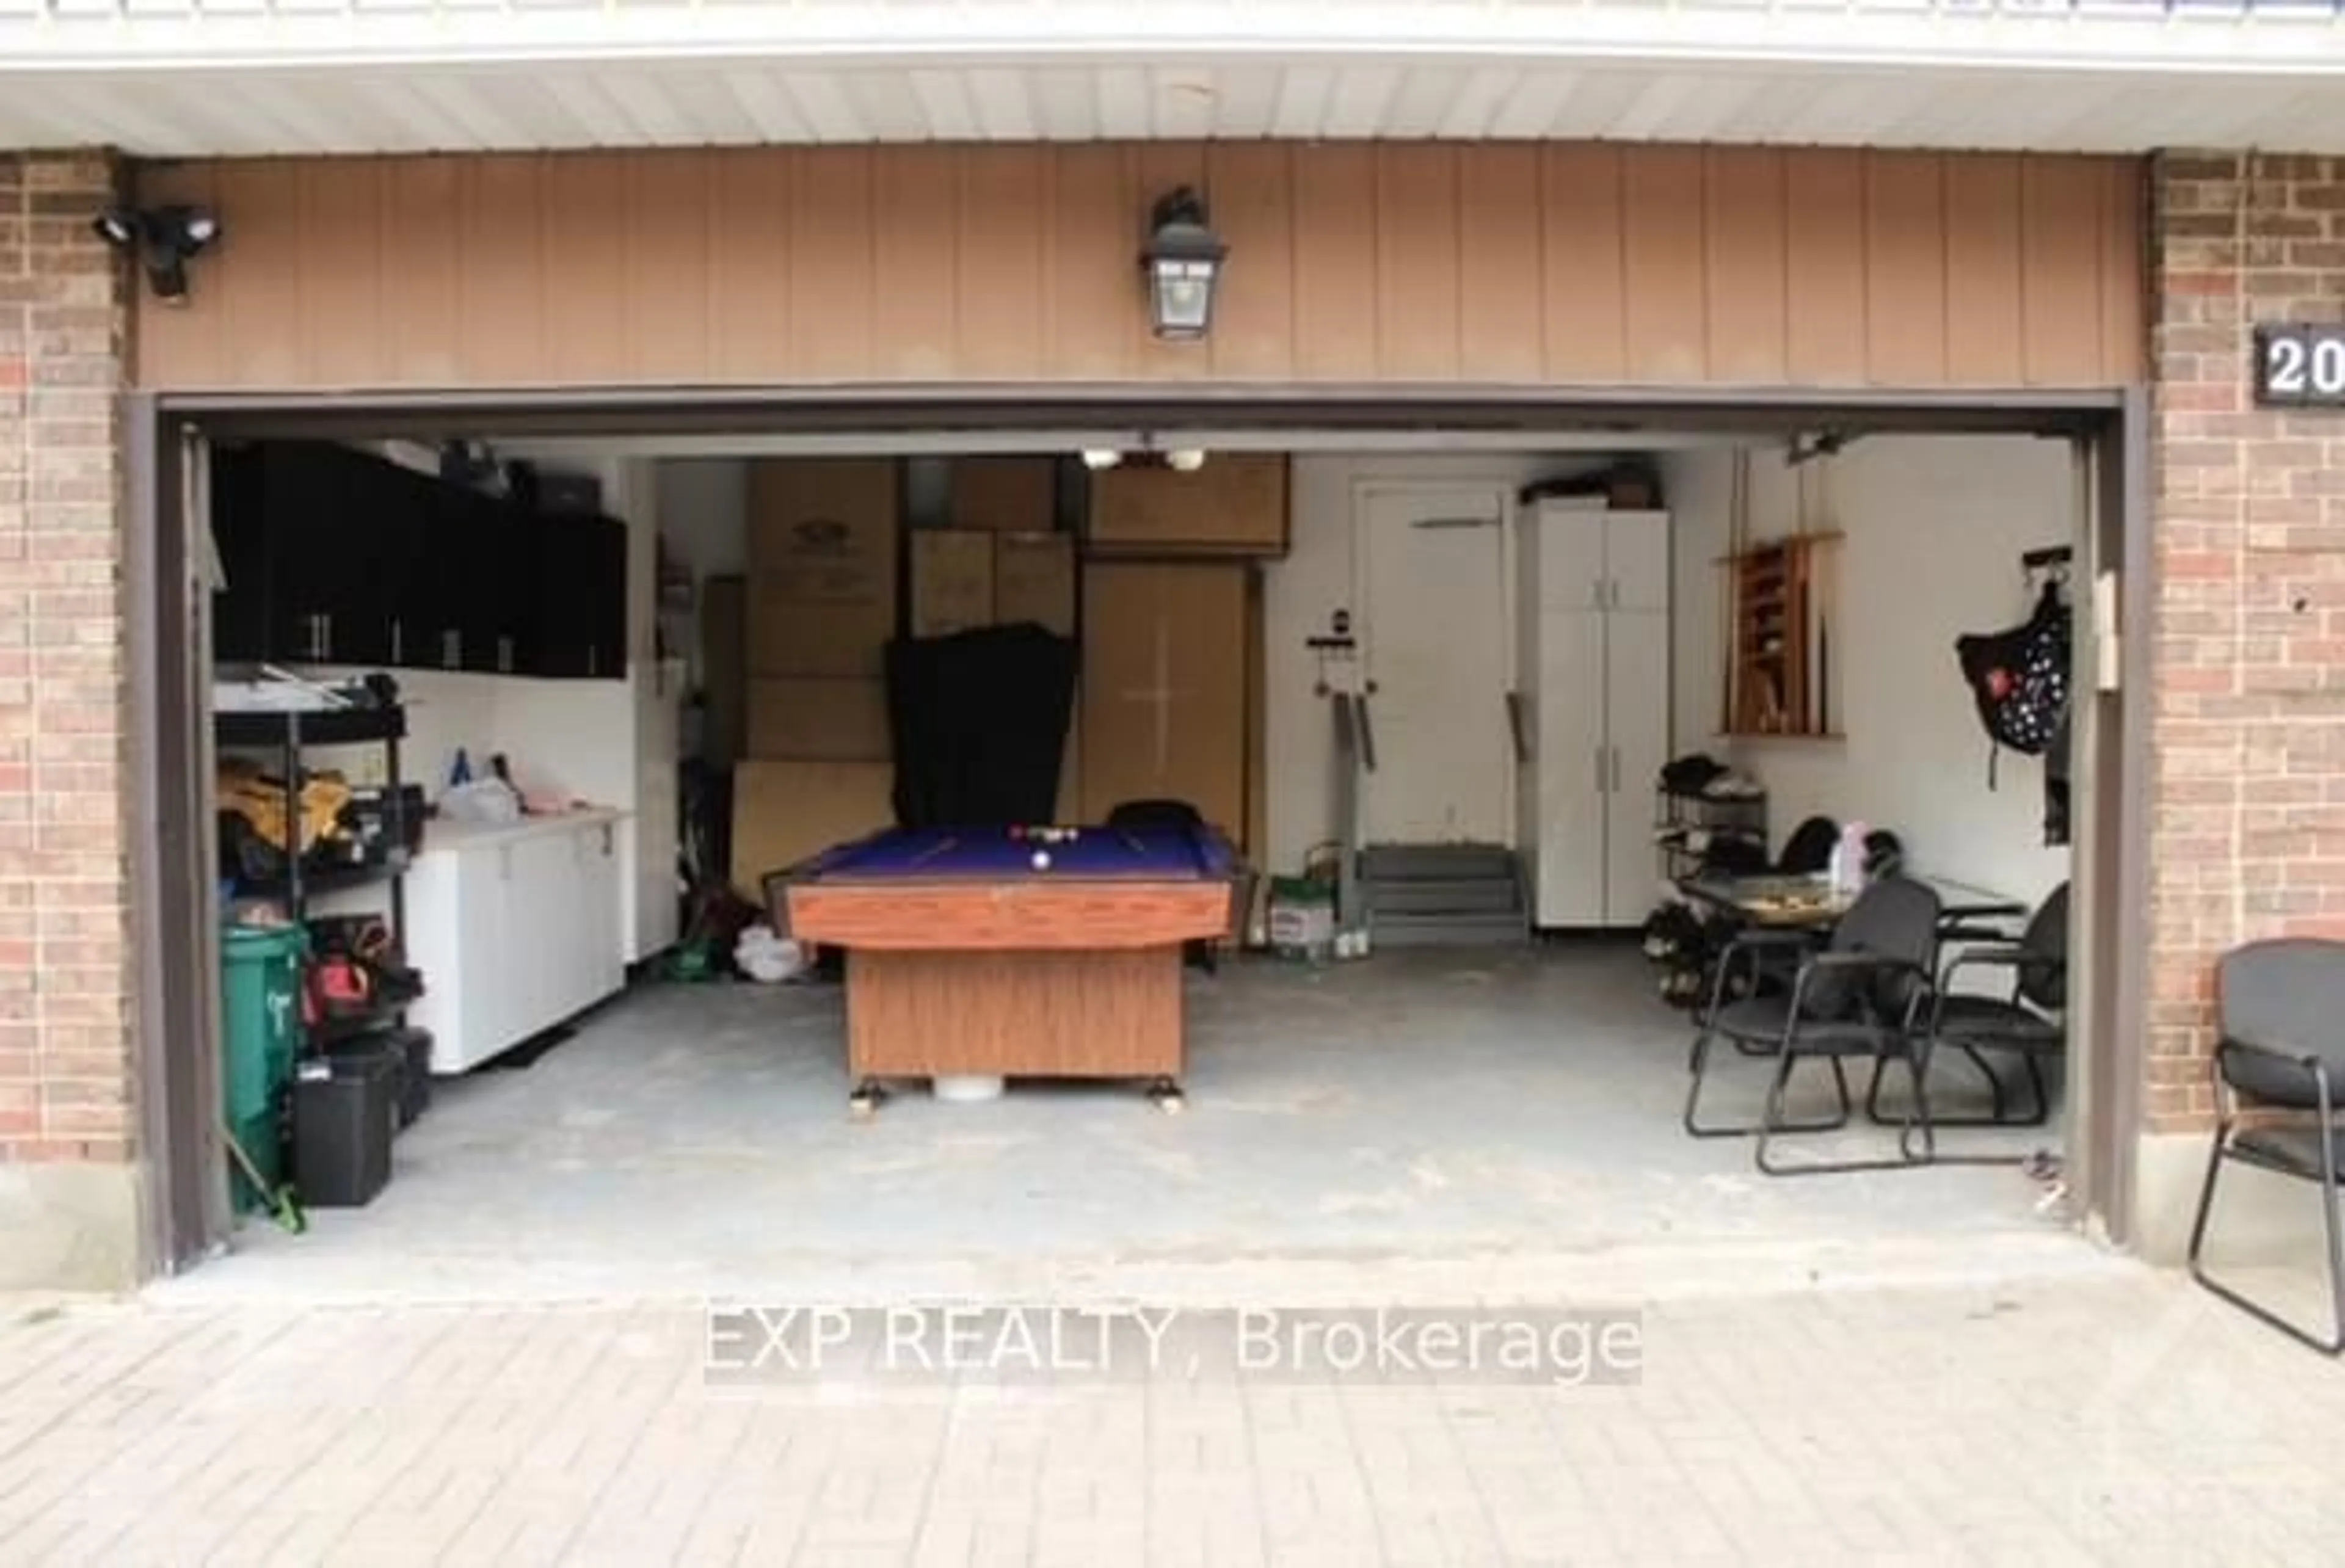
column 1061, row 1013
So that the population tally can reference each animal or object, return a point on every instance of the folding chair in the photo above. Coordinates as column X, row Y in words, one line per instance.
column 1862, row 996
column 2281, row 1014
column 2027, row 1023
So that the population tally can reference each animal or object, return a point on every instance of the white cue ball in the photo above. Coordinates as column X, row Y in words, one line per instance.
column 1041, row 860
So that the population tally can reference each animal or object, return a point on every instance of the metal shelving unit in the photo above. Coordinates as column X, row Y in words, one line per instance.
column 290, row 735
column 1679, row 814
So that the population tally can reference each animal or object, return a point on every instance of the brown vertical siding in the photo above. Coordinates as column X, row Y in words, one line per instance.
column 1500, row 264
column 1745, row 239
column 1982, row 270
column 1584, row 281
column 1827, row 314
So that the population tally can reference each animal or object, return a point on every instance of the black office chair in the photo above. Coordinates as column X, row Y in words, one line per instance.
column 1776, row 962
column 1863, row 995
column 2281, row 1011
column 2027, row 1022
column 1142, row 815
column 1167, row 816
column 1809, row 850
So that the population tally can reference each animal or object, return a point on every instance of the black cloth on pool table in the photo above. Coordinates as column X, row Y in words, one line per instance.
column 979, row 722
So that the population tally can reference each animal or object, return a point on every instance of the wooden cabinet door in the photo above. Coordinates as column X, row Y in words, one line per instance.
column 1236, row 504
column 1164, row 699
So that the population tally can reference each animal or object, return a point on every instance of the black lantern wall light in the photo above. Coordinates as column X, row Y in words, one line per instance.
column 164, row 239
column 1183, row 261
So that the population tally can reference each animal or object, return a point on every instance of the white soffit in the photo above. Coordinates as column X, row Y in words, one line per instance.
column 202, row 77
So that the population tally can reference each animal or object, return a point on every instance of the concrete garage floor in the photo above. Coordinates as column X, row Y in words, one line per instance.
column 1501, row 1125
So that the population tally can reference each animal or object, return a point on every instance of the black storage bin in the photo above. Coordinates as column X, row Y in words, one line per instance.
column 345, row 1112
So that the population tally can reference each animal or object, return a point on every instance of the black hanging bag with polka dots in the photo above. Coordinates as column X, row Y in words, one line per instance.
column 2019, row 679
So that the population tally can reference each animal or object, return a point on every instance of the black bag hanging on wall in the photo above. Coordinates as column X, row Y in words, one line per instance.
column 2055, row 790
column 2019, row 680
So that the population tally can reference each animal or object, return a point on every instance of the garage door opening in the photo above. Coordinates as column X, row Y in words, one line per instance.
column 1490, row 719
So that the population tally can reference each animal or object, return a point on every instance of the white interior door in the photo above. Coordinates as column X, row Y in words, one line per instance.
column 1435, row 627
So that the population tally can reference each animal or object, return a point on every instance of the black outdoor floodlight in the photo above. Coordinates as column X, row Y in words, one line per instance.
column 164, row 239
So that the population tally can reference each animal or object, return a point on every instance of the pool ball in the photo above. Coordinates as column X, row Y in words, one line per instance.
column 1041, row 860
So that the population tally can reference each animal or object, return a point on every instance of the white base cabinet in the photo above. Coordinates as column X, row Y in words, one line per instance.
column 516, row 928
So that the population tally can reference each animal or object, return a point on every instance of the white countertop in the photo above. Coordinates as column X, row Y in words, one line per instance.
column 444, row 836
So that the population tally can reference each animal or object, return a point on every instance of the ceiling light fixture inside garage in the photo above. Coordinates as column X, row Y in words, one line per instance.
column 1099, row 458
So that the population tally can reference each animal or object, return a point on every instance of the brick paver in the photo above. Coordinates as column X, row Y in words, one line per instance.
column 2123, row 1418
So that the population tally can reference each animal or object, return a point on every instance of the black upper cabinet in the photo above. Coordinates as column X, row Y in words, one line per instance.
column 243, row 625
column 582, row 597
column 285, row 517
column 333, row 556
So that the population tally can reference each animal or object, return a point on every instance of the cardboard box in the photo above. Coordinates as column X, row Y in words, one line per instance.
column 1234, row 505
column 952, row 582
column 1164, row 698
column 818, row 718
column 822, row 565
column 1005, row 495
column 724, row 669
column 784, row 811
column 1034, row 580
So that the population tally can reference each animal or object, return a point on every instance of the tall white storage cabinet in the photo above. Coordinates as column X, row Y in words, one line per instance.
column 1593, row 703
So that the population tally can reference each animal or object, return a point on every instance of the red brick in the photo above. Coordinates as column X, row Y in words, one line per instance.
column 2247, row 724
column 64, row 935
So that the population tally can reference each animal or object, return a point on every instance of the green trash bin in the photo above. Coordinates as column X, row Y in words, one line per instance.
column 260, row 1003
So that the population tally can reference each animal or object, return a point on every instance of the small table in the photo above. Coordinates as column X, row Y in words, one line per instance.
column 1808, row 904
column 965, row 959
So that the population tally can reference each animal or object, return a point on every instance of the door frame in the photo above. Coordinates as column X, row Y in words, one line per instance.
column 171, row 856
column 1366, row 490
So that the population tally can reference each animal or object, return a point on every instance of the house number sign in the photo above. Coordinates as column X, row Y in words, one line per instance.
column 2300, row 365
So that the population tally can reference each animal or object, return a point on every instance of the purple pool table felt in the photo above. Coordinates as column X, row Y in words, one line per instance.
column 990, row 853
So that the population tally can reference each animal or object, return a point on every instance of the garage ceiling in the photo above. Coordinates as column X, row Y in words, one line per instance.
column 192, row 77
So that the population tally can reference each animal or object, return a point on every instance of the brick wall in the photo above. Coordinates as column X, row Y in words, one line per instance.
column 2248, row 801
column 65, row 1037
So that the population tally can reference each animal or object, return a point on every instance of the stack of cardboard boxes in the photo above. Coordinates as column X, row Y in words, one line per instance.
column 825, row 539
column 821, row 606
column 999, row 562
column 1170, row 629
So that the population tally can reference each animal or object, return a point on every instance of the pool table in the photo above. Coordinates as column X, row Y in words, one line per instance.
column 966, row 959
